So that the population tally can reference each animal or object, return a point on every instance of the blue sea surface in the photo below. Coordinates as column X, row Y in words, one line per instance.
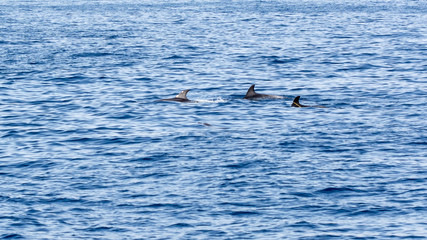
column 86, row 151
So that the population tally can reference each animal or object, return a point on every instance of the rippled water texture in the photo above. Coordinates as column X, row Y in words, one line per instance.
column 86, row 152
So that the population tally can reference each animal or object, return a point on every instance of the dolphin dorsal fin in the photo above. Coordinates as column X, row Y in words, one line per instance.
column 183, row 94
column 296, row 103
column 251, row 91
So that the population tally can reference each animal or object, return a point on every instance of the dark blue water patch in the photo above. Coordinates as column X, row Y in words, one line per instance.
column 239, row 204
column 51, row 101
column 10, row 218
column 81, row 210
column 91, row 184
column 12, row 236
column 405, row 237
column 153, row 158
column 173, row 57
column 62, row 200
column 190, row 47
column 137, row 195
column 144, row 79
column 20, row 124
column 334, row 190
column 157, row 175
column 328, row 149
column 114, row 36
column 31, row 164
column 108, row 141
column 240, row 165
column 13, row 134
column 302, row 194
column 322, row 236
column 373, row 211
column 409, row 180
column 245, row 213
column 209, row 233
column 280, row 60
column 421, row 142
column 181, row 225
column 164, row 206
column 91, row 54
column 98, row 229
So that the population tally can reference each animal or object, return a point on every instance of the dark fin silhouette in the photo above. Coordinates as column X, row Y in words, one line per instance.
column 296, row 103
column 183, row 94
column 251, row 92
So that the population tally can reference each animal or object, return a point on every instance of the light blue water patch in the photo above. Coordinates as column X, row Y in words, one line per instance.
column 87, row 152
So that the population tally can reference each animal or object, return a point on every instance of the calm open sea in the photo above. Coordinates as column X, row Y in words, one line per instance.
column 86, row 152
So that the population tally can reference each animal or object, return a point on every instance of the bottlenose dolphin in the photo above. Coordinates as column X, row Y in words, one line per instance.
column 181, row 97
column 296, row 103
column 251, row 94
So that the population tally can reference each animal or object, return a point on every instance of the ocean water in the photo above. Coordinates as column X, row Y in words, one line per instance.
column 86, row 151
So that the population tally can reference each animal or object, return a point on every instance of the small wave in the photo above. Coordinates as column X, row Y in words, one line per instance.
column 244, row 213
column 218, row 100
column 373, row 211
column 358, row 67
column 302, row 194
column 97, row 229
column 303, row 224
column 280, row 60
column 238, row 165
column 12, row 236
column 336, row 190
column 113, row 36
column 90, row 54
column 72, row 78
column 164, row 205
column 78, row 209
column 181, row 225
column 150, row 158
column 174, row 57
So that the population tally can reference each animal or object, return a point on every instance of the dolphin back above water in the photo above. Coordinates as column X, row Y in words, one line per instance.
column 252, row 95
column 296, row 103
column 181, row 97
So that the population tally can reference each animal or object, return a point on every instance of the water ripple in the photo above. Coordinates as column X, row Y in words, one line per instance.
column 86, row 152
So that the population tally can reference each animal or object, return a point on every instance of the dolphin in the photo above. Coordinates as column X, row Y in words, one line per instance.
column 251, row 94
column 296, row 103
column 181, row 97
